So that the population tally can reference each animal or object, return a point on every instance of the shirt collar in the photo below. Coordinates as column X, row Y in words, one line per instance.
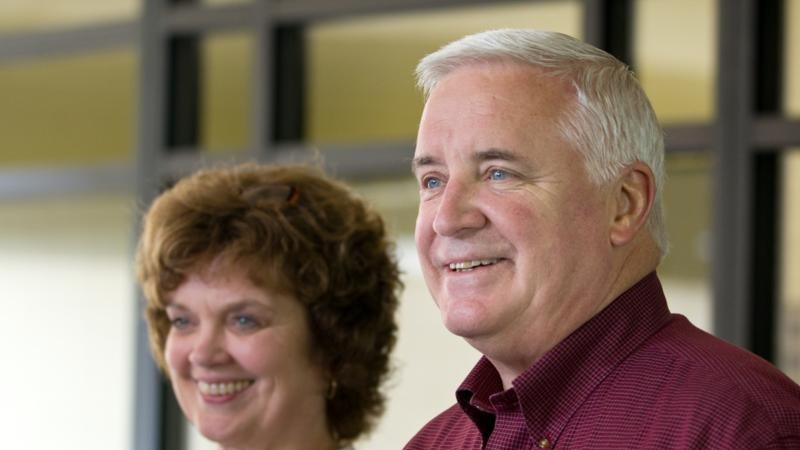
column 473, row 395
column 555, row 386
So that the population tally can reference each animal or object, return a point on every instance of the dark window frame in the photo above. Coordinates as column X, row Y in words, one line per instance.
column 746, row 138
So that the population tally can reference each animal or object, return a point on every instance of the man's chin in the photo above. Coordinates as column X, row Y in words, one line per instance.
column 466, row 327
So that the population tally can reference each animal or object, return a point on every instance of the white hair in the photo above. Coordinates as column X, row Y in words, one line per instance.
column 612, row 123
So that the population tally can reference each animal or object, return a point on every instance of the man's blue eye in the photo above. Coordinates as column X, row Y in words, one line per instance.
column 498, row 174
column 432, row 183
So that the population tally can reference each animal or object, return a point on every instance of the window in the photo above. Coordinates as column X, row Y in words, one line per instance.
column 28, row 16
column 67, row 327
column 677, row 69
column 361, row 84
column 40, row 124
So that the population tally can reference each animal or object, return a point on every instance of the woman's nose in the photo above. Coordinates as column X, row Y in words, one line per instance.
column 458, row 210
column 209, row 347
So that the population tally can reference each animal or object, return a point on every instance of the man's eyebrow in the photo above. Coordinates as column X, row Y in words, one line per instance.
column 422, row 161
column 495, row 154
column 489, row 154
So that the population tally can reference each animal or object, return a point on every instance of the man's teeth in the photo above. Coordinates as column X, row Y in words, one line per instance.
column 467, row 265
column 227, row 388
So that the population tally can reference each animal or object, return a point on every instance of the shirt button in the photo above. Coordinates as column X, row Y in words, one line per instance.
column 544, row 443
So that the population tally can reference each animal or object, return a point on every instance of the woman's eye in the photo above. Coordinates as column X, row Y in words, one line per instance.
column 431, row 183
column 179, row 323
column 498, row 174
column 244, row 322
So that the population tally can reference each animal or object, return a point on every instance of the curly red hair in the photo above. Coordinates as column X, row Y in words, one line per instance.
column 296, row 230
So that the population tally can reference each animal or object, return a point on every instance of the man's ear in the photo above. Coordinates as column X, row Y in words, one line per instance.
column 633, row 197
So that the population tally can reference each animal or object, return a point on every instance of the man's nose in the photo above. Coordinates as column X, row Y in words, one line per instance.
column 458, row 210
column 209, row 347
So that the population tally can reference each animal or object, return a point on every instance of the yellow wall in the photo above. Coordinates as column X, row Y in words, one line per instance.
column 69, row 110
column 41, row 15
column 361, row 84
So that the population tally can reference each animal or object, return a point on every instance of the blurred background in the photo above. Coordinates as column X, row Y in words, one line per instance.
column 104, row 102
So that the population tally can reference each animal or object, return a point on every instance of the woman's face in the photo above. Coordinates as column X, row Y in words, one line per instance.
column 240, row 363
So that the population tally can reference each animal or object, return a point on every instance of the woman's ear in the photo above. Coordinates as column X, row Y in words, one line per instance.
column 633, row 197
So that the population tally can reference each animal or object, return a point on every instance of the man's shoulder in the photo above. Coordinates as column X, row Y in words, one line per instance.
column 451, row 429
column 699, row 368
column 688, row 387
column 699, row 355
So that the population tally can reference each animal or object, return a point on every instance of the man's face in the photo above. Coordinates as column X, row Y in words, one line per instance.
column 511, row 234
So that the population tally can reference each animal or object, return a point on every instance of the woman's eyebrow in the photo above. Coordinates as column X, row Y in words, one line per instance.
column 172, row 304
column 246, row 303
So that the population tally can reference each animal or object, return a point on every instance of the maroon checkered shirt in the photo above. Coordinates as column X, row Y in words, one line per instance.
column 633, row 377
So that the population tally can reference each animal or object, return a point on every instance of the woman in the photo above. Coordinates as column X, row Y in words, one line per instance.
column 271, row 294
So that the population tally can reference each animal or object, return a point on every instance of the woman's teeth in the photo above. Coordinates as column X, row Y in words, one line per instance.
column 227, row 388
column 468, row 265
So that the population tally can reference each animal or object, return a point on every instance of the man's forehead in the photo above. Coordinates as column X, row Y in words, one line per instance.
column 489, row 88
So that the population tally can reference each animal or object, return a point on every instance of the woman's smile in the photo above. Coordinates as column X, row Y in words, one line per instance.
column 224, row 388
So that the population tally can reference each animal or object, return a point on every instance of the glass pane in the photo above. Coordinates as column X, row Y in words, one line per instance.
column 686, row 271
column 789, row 296
column 66, row 331
column 792, row 58
column 677, row 68
column 41, row 15
column 68, row 110
column 789, row 309
column 361, row 85
column 397, row 201
column 225, row 109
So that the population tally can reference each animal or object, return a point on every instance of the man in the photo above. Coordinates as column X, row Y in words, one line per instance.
column 540, row 164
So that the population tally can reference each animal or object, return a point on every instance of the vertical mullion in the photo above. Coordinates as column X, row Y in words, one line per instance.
column 182, row 99
column 168, row 117
column 766, row 192
column 173, row 423
column 183, row 88
column 608, row 24
column 183, row 92
column 593, row 22
column 289, row 83
column 731, row 268
column 764, row 249
column 769, row 57
column 151, row 136
column 261, row 113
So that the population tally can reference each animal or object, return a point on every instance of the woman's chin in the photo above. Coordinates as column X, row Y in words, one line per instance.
column 219, row 431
